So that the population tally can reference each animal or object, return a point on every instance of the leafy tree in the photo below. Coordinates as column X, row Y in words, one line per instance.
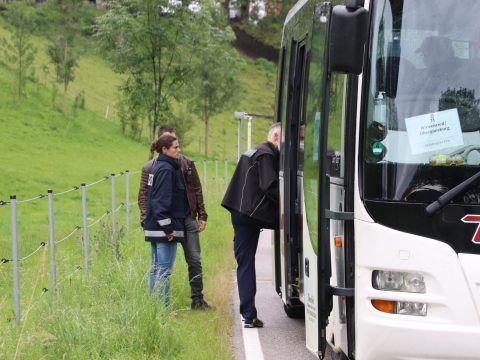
column 62, row 49
column 151, row 42
column 131, row 108
column 64, row 56
column 214, row 85
column 18, row 48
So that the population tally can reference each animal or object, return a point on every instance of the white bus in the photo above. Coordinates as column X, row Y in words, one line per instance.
column 379, row 242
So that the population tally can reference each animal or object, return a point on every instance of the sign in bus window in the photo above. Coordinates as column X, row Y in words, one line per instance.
column 434, row 131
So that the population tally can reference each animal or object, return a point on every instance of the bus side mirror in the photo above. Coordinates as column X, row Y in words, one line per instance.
column 347, row 37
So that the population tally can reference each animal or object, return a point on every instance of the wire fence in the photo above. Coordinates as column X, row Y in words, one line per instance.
column 214, row 180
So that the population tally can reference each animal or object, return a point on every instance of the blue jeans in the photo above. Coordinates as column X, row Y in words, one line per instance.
column 163, row 258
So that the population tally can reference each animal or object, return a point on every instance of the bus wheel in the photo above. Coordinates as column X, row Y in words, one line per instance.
column 339, row 355
column 295, row 312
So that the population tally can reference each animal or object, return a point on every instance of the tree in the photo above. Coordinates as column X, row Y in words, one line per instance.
column 18, row 49
column 64, row 58
column 62, row 50
column 151, row 42
column 214, row 86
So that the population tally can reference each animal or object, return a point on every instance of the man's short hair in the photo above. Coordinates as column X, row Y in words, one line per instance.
column 166, row 128
column 274, row 128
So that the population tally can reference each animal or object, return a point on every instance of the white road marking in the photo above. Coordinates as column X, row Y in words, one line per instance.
column 251, row 343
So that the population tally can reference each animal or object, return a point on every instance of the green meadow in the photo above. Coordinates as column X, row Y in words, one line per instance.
column 108, row 313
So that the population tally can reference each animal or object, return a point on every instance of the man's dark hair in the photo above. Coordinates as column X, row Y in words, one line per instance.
column 166, row 128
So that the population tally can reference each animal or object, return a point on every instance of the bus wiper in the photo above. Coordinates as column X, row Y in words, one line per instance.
column 450, row 194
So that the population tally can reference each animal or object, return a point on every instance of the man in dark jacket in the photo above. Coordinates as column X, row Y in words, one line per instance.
column 194, row 223
column 252, row 199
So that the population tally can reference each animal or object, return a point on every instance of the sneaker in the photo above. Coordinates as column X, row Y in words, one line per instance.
column 253, row 323
column 200, row 304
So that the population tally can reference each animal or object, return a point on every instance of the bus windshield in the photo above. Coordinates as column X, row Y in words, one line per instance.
column 422, row 125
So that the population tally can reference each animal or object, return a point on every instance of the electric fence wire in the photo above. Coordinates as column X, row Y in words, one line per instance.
column 39, row 196
column 99, row 219
column 66, row 191
column 66, row 237
column 69, row 276
column 77, row 269
column 98, row 181
column 77, row 228
column 42, row 244
column 119, row 207
column 74, row 188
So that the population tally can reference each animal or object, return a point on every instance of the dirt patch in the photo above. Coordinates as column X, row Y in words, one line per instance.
column 251, row 47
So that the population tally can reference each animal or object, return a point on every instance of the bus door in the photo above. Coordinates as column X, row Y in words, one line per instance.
column 293, row 150
column 324, row 188
column 276, row 238
column 334, row 240
column 311, row 185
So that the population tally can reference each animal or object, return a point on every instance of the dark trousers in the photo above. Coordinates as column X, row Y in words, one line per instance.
column 191, row 250
column 246, row 233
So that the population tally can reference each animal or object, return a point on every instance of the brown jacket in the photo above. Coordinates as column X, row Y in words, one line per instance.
column 194, row 189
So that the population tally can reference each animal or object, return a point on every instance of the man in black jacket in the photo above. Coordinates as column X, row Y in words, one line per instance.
column 252, row 199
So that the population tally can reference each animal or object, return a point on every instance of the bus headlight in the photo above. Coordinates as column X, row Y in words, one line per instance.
column 398, row 281
column 411, row 308
column 400, row 307
column 414, row 283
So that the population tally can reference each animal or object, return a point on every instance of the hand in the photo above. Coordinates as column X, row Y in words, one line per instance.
column 201, row 225
column 170, row 236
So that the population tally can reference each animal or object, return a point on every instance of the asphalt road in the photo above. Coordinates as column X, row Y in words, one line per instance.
column 282, row 337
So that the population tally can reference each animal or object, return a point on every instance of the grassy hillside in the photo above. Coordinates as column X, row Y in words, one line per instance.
column 95, row 79
column 109, row 314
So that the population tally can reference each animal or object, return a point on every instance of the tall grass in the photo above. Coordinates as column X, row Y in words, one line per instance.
column 110, row 315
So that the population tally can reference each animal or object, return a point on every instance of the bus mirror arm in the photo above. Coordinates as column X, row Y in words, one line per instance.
column 450, row 194
column 354, row 4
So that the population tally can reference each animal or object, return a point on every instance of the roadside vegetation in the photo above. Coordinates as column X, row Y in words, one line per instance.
column 108, row 314
column 261, row 20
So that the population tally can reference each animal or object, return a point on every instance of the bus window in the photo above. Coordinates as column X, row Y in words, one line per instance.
column 335, row 166
column 312, row 132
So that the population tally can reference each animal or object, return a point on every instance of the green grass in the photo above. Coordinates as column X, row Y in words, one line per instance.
column 99, row 84
column 108, row 315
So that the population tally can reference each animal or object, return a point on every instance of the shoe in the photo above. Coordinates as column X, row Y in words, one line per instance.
column 253, row 323
column 200, row 304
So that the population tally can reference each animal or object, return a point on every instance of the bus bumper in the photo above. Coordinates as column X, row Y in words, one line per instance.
column 451, row 328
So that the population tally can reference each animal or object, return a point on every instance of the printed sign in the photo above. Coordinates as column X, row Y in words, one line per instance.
column 434, row 131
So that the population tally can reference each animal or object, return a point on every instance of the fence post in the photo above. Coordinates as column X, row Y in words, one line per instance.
column 239, row 140
column 85, row 227
column 226, row 175
column 216, row 177
column 16, row 285
column 51, row 227
column 205, row 188
column 114, row 224
column 127, row 198
column 249, row 133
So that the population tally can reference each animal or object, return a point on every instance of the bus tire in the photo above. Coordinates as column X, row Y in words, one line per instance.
column 294, row 312
column 339, row 355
